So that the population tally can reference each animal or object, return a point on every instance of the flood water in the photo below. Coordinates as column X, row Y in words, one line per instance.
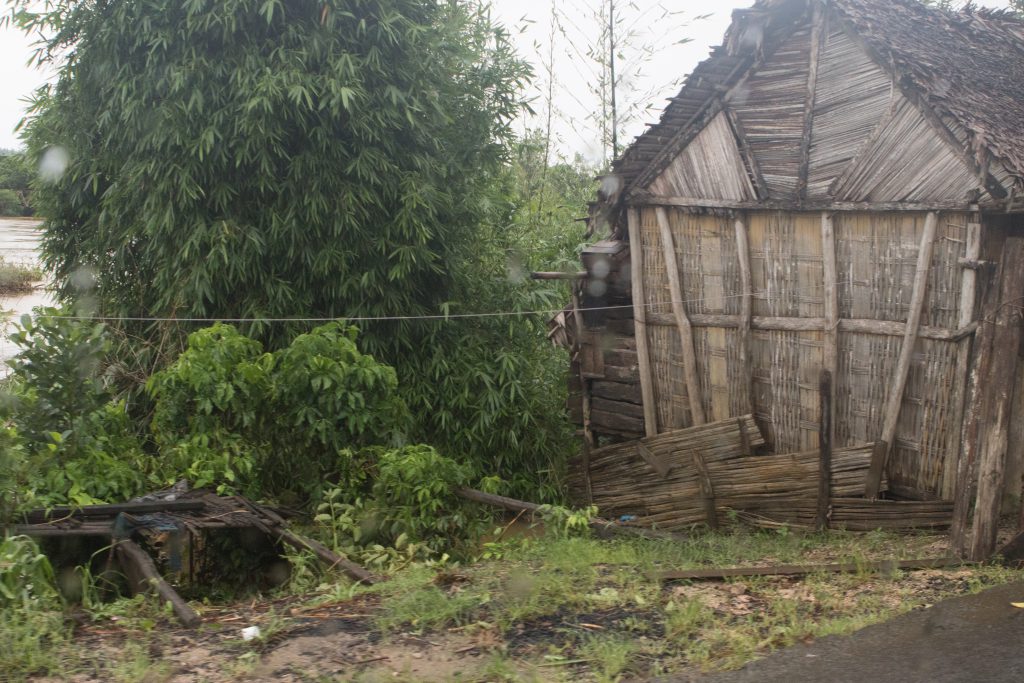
column 19, row 243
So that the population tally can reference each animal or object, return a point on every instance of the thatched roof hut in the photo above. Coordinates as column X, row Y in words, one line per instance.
column 838, row 187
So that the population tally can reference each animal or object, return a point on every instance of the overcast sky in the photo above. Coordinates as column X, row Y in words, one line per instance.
column 530, row 21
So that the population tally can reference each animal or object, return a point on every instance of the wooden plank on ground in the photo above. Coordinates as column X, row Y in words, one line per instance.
column 139, row 567
column 804, row 570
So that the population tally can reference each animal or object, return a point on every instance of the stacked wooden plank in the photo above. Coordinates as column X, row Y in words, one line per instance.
column 705, row 474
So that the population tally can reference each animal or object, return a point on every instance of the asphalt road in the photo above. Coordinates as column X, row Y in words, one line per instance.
column 974, row 638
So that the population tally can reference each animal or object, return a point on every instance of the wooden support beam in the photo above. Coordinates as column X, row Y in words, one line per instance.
column 1006, row 340
column 829, row 276
column 588, row 433
column 111, row 511
column 824, row 450
column 690, row 377
column 702, row 203
column 899, row 381
column 557, row 275
column 746, row 307
column 643, row 355
column 818, row 19
column 142, row 573
column 889, row 328
column 753, row 168
column 805, row 570
column 707, row 489
column 968, row 295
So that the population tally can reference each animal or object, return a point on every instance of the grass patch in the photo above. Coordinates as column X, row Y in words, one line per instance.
column 587, row 607
column 16, row 278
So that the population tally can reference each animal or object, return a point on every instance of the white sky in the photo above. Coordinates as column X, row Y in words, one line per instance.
column 574, row 73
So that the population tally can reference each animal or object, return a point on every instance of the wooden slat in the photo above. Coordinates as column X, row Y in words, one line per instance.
column 693, row 390
column 641, row 198
column 656, row 463
column 899, row 381
column 643, row 354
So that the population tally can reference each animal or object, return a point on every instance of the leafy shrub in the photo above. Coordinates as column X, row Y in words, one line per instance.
column 31, row 621
column 408, row 508
column 10, row 205
column 277, row 424
column 72, row 438
column 16, row 278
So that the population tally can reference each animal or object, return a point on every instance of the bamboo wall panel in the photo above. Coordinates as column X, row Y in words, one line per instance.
column 710, row 166
column 770, row 106
column 906, row 161
column 851, row 97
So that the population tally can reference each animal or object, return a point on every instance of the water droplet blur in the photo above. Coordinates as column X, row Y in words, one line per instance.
column 596, row 288
column 83, row 279
column 600, row 269
column 53, row 164
column 514, row 269
column 610, row 185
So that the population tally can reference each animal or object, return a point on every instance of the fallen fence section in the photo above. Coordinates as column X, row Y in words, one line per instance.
column 707, row 474
column 182, row 511
column 877, row 566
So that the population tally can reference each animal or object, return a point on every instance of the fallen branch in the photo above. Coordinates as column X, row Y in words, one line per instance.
column 804, row 570
column 603, row 527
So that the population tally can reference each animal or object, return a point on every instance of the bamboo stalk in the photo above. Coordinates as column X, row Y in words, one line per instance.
column 643, row 355
column 899, row 382
column 693, row 391
column 824, row 450
column 830, row 278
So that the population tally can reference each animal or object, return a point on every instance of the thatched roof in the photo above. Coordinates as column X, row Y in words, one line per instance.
column 968, row 67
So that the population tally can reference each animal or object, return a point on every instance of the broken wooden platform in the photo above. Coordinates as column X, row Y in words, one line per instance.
column 184, row 511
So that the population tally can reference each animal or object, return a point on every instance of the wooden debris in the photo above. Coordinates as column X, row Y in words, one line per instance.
column 142, row 573
column 804, row 570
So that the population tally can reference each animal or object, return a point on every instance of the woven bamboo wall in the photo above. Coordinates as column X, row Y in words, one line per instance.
column 876, row 255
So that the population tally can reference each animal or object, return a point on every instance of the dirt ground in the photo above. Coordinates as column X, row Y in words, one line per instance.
column 341, row 641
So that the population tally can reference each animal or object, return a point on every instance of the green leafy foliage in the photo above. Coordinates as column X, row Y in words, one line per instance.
column 16, row 176
column 298, row 158
column 69, row 440
column 407, row 509
column 272, row 424
column 31, row 618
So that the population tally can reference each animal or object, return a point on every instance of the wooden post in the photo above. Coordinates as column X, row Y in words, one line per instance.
column 588, row 434
column 690, row 377
column 830, row 286
column 825, row 450
column 993, row 438
column 974, row 415
column 643, row 356
column 142, row 573
column 899, row 381
column 968, row 294
column 746, row 297
column 707, row 490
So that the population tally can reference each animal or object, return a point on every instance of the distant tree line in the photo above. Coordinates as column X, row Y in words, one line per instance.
column 15, row 181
